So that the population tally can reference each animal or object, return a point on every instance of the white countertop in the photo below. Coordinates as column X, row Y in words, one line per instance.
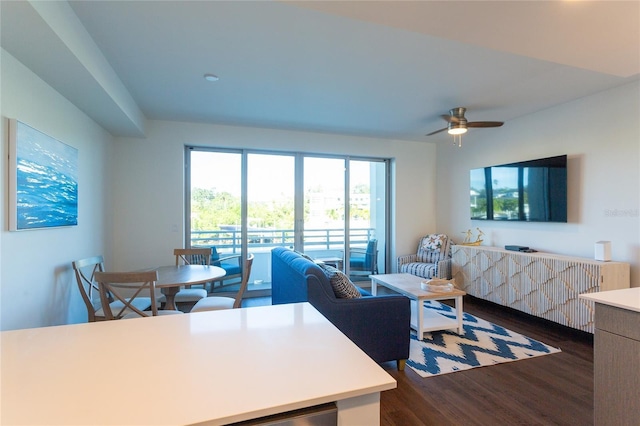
column 626, row 298
column 216, row 367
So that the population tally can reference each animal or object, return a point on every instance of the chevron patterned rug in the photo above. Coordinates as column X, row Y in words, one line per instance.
column 481, row 344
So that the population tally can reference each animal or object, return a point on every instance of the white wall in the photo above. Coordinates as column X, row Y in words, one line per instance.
column 601, row 136
column 149, row 184
column 37, row 287
column 131, row 191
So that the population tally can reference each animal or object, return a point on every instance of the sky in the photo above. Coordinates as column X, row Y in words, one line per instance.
column 270, row 176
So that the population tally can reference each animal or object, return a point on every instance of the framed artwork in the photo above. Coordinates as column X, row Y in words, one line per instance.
column 43, row 180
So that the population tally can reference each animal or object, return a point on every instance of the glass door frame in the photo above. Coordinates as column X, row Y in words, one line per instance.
column 298, row 226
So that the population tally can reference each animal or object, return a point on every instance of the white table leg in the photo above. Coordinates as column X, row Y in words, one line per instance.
column 374, row 288
column 459, row 313
column 420, row 324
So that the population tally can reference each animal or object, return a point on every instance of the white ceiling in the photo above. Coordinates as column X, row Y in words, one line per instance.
column 384, row 68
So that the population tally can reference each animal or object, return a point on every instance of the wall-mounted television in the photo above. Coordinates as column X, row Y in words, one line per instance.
column 531, row 191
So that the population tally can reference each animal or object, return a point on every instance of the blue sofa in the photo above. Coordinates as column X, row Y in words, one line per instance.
column 379, row 325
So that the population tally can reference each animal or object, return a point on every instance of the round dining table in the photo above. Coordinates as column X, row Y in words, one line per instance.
column 171, row 278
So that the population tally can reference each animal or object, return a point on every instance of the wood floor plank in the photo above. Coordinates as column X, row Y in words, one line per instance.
column 554, row 389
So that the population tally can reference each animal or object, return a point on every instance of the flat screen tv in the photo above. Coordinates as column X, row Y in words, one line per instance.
column 531, row 191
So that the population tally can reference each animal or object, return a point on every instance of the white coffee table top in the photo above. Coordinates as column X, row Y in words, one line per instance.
column 219, row 367
column 409, row 285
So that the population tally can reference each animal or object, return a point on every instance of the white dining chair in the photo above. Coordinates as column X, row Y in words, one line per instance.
column 216, row 303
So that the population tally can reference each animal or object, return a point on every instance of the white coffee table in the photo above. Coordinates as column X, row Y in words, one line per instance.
column 421, row 320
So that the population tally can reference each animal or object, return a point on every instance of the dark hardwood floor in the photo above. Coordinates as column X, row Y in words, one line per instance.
column 553, row 389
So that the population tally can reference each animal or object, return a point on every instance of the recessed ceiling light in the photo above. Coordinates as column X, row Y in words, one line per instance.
column 211, row 77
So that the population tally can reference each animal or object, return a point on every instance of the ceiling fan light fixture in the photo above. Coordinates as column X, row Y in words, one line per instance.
column 457, row 124
column 456, row 129
column 211, row 77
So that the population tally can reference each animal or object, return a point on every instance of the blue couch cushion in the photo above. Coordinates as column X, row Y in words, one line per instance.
column 289, row 276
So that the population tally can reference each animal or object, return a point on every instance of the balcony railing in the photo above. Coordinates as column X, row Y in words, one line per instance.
column 229, row 240
column 317, row 243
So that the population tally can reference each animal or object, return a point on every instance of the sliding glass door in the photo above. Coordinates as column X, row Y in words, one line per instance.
column 324, row 209
column 332, row 208
column 270, row 211
column 215, row 209
column 353, row 245
column 367, row 218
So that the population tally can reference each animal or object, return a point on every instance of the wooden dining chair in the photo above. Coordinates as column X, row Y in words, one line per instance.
column 85, row 270
column 191, row 256
column 126, row 287
column 215, row 303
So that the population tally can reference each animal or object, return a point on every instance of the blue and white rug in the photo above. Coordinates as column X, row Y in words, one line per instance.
column 481, row 344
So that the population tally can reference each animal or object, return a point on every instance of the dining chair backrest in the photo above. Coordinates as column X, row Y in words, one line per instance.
column 126, row 287
column 85, row 270
column 245, row 281
column 193, row 256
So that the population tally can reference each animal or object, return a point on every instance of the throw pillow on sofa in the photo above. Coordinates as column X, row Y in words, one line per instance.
column 342, row 286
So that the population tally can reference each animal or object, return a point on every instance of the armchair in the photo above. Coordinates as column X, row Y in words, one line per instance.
column 231, row 263
column 364, row 261
column 432, row 260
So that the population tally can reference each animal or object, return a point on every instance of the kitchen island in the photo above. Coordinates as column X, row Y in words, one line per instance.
column 220, row 367
column 616, row 357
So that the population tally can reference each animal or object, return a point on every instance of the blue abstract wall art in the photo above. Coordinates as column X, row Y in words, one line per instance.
column 43, row 184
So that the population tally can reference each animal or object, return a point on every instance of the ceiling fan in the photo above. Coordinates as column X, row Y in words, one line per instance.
column 458, row 124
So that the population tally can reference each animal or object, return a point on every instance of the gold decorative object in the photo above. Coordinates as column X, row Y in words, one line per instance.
column 468, row 238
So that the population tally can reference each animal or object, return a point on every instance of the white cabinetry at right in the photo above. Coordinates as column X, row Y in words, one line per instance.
column 540, row 284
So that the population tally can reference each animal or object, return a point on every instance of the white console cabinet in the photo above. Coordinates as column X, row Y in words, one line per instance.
column 540, row 284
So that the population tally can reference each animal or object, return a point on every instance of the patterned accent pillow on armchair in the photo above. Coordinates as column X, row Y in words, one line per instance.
column 432, row 248
column 433, row 242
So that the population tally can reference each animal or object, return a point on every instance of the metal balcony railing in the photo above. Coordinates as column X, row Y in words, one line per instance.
column 229, row 240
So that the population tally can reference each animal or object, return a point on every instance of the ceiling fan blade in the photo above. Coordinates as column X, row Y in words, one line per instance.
column 485, row 124
column 437, row 131
column 450, row 118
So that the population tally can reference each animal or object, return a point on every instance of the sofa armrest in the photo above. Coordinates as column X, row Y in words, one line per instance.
column 407, row 258
column 444, row 269
column 379, row 325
